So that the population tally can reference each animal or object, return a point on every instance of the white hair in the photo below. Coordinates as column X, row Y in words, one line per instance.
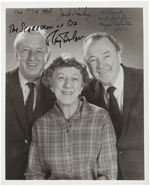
column 32, row 30
column 27, row 31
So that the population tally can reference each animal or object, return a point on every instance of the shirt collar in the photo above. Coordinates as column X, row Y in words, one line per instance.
column 58, row 111
column 119, row 81
column 23, row 81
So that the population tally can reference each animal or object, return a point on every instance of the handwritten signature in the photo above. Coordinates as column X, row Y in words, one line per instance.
column 61, row 13
column 58, row 38
column 74, row 12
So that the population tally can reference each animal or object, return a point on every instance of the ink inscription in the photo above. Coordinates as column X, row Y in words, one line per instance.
column 117, row 20
column 57, row 37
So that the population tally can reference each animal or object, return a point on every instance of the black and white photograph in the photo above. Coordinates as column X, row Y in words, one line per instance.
column 75, row 98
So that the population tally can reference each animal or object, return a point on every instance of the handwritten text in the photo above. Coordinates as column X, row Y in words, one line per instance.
column 57, row 37
column 114, row 19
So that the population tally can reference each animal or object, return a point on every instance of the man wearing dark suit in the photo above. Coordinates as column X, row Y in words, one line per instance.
column 118, row 89
column 26, row 99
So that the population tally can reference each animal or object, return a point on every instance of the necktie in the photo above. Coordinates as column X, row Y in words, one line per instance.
column 29, row 102
column 114, row 111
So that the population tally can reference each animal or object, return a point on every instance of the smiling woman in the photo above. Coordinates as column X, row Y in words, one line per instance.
column 75, row 139
column 66, row 79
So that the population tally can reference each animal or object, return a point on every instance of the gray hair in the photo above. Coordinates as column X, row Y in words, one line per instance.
column 29, row 31
column 61, row 62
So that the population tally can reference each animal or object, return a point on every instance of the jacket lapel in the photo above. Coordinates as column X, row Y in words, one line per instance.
column 99, row 95
column 45, row 101
column 39, row 106
column 129, row 90
column 17, row 100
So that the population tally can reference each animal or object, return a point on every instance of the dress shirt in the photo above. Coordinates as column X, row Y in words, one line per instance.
column 26, row 90
column 83, row 147
column 119, row 92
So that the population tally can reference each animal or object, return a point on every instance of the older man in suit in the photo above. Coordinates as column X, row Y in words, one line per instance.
column 119, row 89
column 26, row 99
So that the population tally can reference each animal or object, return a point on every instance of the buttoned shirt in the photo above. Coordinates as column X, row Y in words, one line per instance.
column 119, row 92
column 83, row 147
column 26, row 90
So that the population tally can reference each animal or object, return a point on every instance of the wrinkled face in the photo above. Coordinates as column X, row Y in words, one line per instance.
column 67, row 84
column 31, row 56
column 103, row 60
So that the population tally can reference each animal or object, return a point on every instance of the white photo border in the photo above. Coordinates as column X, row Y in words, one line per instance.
column 88, row 4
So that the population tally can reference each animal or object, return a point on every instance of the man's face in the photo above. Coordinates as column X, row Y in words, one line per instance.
column 103, row 60
column 67, row 84
column 31, row 56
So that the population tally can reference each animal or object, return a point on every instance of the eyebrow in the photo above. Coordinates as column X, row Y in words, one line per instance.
column 25, row 46
column 106, row 52
column 38, row 47
column 89, row 57
column 76, row 75
column 61, row 73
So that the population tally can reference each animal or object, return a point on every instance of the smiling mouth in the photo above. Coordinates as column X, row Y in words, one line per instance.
column 32, row 65
column 67, row 93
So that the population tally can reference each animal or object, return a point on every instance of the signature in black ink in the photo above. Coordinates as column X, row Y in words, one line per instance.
column 78, row 12
column 25, row 28
column 70, row 22
column 12, row 28
column 64, row 37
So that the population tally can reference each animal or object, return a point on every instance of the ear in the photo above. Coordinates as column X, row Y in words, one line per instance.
column 52, row 89
column 16, row 55
column 50, row 85
column 82, row 86
column 119, row 57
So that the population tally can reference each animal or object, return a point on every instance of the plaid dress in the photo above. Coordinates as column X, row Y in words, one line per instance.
column 83, row 147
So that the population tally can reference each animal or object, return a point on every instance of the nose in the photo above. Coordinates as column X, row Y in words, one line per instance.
column 100, row 63
column 32, row 55
column 67, row 83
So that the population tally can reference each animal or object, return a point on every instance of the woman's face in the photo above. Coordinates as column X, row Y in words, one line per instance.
column 67, row 84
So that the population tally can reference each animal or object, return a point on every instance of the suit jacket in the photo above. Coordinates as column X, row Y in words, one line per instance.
column 130, row 144
column 18, row 135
